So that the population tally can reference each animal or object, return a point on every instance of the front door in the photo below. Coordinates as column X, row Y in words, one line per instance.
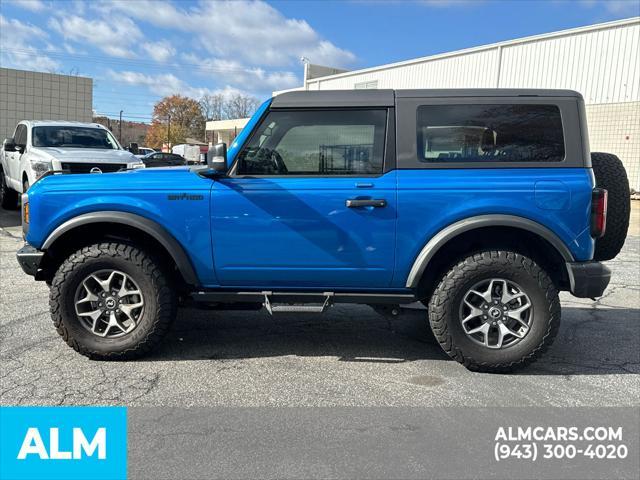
column 13, row 158
column 308, row 203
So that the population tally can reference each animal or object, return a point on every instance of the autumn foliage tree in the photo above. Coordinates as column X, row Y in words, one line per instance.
column 175, row 118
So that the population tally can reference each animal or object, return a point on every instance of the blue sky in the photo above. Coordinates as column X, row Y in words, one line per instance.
column 139, row 50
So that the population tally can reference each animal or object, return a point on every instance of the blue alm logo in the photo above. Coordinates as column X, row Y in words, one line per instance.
column 63, row 443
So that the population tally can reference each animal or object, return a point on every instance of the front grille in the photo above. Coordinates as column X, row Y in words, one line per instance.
column 86, row 167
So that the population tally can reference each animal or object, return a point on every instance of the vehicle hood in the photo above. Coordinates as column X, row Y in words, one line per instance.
column 169, row 179
column 81, row 155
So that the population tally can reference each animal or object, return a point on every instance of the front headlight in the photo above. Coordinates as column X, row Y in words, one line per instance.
column 40, row 168
column 136, row 165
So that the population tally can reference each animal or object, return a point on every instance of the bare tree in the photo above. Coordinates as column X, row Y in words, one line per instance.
column 212, row 106
column 240, row 106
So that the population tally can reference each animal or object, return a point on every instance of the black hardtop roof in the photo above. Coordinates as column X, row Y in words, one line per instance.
column 386, row 98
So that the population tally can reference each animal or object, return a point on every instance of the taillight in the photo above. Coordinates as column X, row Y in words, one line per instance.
column 598, row 212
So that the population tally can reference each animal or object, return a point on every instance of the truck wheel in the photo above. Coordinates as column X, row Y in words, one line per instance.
column 495, row 311
column 610, row 174
column 8, row 196
column 111, row 301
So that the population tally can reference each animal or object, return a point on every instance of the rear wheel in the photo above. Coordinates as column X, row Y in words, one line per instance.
column 495, row 311
column 111, row 301
column 8, row 196
column 611, row 175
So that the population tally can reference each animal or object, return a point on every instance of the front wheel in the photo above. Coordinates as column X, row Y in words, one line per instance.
column 111, row 301
column 495, row 311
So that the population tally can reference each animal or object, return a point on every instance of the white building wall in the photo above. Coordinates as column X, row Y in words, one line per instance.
column 26, row 95
column 458, row 71
column 603, row 64
column 615, row 128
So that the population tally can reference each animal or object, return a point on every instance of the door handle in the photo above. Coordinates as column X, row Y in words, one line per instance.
column 376, row 203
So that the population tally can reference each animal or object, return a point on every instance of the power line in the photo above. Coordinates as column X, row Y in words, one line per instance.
column 116, row 94
column 132, row 114
column 124, row 116
column 143, row 63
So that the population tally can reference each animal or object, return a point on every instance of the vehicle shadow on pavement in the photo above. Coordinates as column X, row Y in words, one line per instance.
column 350, row 333
column 10, row 218
column 591, row 341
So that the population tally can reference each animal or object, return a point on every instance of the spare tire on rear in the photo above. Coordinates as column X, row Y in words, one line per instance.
column 611, row 175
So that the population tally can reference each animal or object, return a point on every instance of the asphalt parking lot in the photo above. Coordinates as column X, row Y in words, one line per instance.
column 348, row 357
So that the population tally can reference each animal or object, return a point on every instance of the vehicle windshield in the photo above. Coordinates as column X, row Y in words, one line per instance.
column 74, row 137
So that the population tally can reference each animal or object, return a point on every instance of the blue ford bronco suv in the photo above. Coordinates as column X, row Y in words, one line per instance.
column 481, row 204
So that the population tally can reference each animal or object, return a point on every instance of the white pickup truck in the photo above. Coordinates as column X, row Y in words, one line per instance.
column 39, row 146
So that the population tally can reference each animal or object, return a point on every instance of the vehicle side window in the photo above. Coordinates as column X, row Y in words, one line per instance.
column 318, row 142
column 490, row 133
column 20, row 137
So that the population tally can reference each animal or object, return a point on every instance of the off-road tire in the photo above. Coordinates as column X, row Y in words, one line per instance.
column 155, row 284
column 8, row 196
column 611, row 175
column 444, row 311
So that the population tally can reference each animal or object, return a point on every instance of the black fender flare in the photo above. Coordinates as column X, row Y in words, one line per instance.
column 141, row 223
column 494, row 220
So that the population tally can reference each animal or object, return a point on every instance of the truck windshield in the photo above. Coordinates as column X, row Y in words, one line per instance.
column 73, row 137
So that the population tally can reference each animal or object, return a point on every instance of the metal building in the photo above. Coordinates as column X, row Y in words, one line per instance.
column 601, row 61
column 26, row 95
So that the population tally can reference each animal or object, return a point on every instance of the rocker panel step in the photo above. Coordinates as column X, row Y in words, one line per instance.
column 222, row 296
column 297, row 308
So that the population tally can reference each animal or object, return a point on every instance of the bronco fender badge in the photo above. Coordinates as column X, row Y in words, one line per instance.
column 184, row 196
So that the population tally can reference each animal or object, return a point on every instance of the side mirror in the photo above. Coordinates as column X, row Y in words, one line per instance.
column 10, row 145
column 133, row 148
column 217, row 157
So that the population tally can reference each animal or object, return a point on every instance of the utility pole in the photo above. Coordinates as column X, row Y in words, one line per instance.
column 120, row 129
column 169, row 132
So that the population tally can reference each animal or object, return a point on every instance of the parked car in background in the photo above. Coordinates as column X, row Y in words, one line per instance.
column 41, row 146
column 144, row 151
column 162, row 159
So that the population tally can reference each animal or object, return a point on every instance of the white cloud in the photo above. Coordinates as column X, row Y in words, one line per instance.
column 168, row 84
column 162, row 14
column 159, row 51
column 624, row 7
column 235, row 73
column 116, row 37
column 31, row 5
column 627, row 7
column 251, row 31
column 18, row 51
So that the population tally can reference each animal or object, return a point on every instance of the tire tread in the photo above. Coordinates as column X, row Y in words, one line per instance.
column 440, row 306
column 165, row 299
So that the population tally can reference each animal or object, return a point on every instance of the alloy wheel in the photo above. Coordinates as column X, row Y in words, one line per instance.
column 496, row 313
column 109, row 303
